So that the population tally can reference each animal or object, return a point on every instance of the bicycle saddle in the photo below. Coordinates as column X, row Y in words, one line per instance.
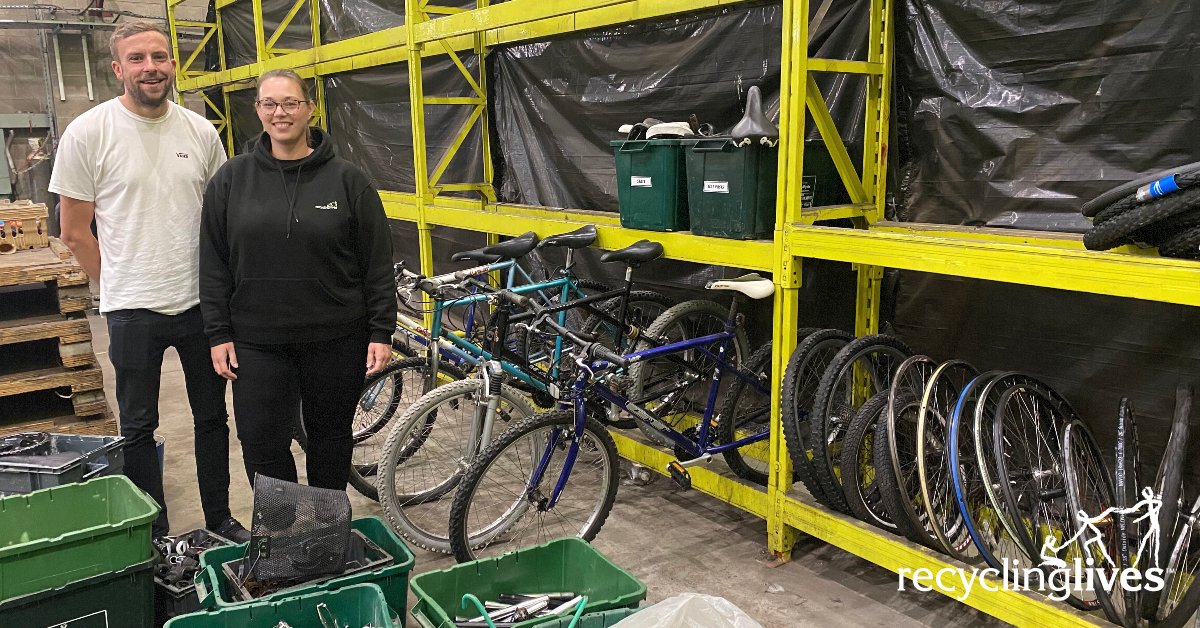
column 637, row 253
column 754, row 127
column 752, row 285
column 514, row 248
column 475, row 255
column 577, row 239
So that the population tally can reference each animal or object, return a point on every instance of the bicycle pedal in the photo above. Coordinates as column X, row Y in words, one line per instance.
column 680, row 475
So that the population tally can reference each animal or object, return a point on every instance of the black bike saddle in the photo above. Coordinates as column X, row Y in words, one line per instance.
column 514, row 248
column 754, row 126
column 476, row 256
column 577, row 239
column 637, row 253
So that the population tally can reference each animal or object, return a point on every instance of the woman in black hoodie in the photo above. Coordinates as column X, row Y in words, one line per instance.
column 296, row 287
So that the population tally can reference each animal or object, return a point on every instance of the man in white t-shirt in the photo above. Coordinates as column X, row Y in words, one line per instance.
column 138, row 163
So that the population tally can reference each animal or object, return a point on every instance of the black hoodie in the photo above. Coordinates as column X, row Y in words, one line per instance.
column 294, row 251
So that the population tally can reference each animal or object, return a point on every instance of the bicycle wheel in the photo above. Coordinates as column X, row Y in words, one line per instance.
column 938, row 400
column 858, row 371
column 503, row 502
column 1180, row 598
column 644, row 307
column 1027, row 438
column 675, row 386
column 805, row 367
column 1168, row 486
column 800, row 380
column 896, row 448
column 1091, row 500
column 1125, row 489
column 747, row 412
column 971, row 479
column 398, row 384
column 446, row 427
column 859, row 470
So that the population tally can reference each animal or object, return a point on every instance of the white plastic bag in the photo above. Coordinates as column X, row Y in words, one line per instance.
column 690, row 610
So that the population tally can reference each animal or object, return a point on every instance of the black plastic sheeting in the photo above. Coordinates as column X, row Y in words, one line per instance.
column 556, row 104
column 1016, row 113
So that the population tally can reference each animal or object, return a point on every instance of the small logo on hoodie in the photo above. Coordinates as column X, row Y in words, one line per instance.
column 332, row 205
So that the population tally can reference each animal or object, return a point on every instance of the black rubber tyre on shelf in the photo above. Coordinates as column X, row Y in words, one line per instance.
column 910, row 519
column 500, row 476
column 860, row 475
column 800, row 381
column 1110, row 232
column 745, row 412
column 876, row 357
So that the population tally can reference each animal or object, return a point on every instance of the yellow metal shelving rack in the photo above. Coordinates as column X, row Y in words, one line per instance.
column 1037, row 259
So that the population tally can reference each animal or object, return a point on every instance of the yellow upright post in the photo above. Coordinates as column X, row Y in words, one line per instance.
column 260, row 33
column 322, row 120
column 793, row 86
column 414, row 14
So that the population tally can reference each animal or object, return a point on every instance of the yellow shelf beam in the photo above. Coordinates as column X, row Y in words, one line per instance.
column 895, row 554
column 1043, row 260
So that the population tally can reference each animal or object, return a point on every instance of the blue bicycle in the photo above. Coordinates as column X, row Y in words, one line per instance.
column 555, row 474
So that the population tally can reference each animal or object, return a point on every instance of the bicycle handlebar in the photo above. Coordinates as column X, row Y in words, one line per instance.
column 594, row 350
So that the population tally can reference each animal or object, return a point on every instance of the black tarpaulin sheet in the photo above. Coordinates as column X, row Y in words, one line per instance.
column 237, row 27
column 556, row 104
column 1015, row 113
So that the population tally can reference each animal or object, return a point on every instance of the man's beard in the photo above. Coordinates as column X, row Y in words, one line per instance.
column 137, row 93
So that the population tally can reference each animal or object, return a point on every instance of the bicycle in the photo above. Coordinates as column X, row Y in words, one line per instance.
column 425, row 453
column 542, row 455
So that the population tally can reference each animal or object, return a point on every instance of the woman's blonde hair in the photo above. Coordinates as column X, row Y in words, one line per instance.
column 292, row 76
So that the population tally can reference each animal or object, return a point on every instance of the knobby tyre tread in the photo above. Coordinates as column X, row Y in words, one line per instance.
column 863, row 423
column 760, row 363
column 797, row 406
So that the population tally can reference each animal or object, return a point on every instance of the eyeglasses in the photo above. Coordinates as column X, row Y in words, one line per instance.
column 269, row 106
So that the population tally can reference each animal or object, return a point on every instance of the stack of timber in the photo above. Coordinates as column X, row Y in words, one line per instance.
column 50, row 379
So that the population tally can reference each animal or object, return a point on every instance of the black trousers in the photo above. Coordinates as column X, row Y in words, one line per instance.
column 325, row 379
column 137, row 341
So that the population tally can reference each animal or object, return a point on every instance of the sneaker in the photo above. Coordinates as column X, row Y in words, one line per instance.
column 232, row 530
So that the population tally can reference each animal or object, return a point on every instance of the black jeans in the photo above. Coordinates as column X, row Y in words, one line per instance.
column 325, row 379
column 137, row 340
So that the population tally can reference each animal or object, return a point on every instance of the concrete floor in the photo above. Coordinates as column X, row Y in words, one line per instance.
column 674, row 541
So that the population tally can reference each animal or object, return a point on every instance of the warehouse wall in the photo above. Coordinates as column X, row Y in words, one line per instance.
column 24, row 84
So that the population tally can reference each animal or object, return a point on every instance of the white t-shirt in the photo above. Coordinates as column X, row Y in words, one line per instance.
column 146, row 177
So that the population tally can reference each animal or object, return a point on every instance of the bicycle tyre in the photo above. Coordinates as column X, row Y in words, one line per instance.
column 1176, row 615
column 1091, row 492
column 1125, row 487
column 462, row 545
column 362, row 475
column 641, row 303
column 1168, row 484
column 801, row 378
column 397, row 499
column 826, row 428
column 899, row 485
column 758, row 363
column 937, row 405
column 643, row 379
column 1113, row 232
column 858, row 452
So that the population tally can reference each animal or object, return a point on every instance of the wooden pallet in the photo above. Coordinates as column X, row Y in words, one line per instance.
column 103, row 424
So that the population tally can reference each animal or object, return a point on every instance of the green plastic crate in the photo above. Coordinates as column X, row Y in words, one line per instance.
column 56, row 536
column 214, row 593
column 567, row 564
column 732, row 190
column 124, row 598
column 651, row 184
column 358, row 605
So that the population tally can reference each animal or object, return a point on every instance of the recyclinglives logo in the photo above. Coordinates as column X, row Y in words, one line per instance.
column 1090, row 566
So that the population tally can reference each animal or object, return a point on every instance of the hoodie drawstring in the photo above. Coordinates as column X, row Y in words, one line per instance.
column 291, row 198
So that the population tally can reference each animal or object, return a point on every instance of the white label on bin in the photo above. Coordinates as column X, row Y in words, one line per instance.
column 640, row 182
column 717, row 186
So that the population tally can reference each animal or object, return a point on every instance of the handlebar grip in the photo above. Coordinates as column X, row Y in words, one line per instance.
column 600, row 352
column 518, row 300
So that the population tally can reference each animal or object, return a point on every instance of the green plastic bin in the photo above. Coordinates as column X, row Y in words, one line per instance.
column 651, row 184
column 567, row 564
column 124, row 598
column 358, row 605
column 56, row 536
column 732, row 190
column 214, row 593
